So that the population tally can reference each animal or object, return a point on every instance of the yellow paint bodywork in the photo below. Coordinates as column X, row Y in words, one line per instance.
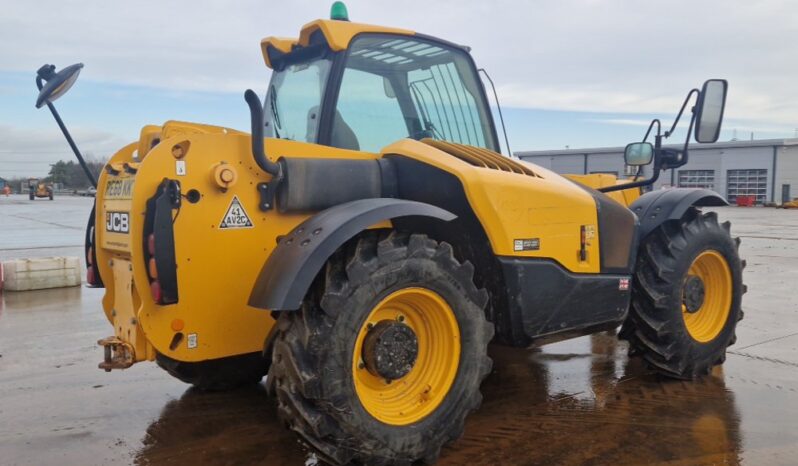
column 337, row 33
column 216, row 269
column 513, row 206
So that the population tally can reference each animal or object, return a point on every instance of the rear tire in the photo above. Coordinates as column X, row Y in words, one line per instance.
column 217, row 374
column 680, row 332
column 319, row 382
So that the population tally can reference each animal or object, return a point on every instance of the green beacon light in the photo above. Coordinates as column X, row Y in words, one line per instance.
column 338, row 12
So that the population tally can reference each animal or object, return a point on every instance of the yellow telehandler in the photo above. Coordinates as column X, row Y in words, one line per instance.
column 367, row 240
column 40, row 189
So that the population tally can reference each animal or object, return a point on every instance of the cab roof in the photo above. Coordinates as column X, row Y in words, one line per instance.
column 337, row 34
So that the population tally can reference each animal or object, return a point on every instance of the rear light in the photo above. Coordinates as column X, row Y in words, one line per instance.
column 157, row 292
column 159, row 243
column 152, row 268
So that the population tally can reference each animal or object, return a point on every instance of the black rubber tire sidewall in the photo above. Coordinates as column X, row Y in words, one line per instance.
column 414, row 272
column 655, row 327
column 716, row 240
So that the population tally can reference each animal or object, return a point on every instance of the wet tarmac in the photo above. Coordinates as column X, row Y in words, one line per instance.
column 576, row 402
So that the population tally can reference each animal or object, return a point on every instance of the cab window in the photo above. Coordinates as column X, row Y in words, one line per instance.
column 291, row 110
column 368, row 113
column 403, row 87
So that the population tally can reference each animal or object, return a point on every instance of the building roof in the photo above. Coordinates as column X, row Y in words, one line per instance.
column 620, row 149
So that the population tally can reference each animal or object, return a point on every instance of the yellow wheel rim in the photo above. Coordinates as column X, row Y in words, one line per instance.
column 417, row 394
column 709, row 319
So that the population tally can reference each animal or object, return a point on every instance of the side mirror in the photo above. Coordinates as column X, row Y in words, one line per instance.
column 638, row 153
column 56, row 84
column 709, row 116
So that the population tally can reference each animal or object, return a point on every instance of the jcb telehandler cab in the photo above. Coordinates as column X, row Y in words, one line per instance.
column 369, row 240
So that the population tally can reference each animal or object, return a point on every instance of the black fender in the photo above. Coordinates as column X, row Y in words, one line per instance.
column 299, row 256
column 656, row 207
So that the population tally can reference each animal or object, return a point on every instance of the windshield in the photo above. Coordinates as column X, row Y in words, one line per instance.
column 291, row 110
column 398, row 87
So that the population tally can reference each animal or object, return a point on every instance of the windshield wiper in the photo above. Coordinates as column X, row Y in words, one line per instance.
column 434, row 130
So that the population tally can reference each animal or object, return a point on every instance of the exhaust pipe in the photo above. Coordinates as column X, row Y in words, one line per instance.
column 256, row 114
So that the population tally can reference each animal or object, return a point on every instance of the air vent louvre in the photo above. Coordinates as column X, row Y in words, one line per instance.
column 480, row 157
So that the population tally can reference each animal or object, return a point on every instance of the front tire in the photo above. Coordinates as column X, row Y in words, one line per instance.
column 686, row 297
column 399, row 396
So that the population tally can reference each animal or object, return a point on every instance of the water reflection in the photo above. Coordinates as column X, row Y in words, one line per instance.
column 238, row 427
column 48, row 298
column 585, row 402
column 577, row 402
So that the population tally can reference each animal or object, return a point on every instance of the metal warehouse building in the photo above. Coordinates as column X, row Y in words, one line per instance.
column 765, row 168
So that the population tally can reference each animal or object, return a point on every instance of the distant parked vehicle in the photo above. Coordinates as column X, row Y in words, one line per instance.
column 39, row 189
column 91, row 192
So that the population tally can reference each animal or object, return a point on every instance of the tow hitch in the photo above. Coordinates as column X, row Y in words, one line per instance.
column 118, row 354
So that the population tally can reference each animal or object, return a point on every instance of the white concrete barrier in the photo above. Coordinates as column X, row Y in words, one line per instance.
column 40, row 273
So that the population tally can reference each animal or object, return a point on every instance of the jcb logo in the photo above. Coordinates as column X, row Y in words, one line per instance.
column 117, row 222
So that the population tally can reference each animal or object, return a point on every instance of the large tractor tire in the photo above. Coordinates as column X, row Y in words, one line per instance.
column 686, row 296
column 218, row 374
column 384, row 360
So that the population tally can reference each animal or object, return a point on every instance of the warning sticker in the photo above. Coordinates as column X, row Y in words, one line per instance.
column 235, row 217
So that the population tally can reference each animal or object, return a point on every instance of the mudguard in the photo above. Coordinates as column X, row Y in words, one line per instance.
column 657, row 207
column 299, row 256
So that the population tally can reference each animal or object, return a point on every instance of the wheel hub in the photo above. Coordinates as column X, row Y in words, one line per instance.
column 390, row 350
column 693, row 293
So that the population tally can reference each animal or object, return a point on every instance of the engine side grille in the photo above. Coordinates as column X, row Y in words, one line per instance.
column 480, row 157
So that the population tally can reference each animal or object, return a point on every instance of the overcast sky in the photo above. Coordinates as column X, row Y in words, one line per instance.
column 575, row 73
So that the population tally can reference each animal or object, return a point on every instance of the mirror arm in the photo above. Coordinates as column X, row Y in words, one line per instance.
column 658, row 147
column 687, row 139
column 679, row 115
column 651, row 126
column 89, row 175
column 647, row 181
column 634, row 184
